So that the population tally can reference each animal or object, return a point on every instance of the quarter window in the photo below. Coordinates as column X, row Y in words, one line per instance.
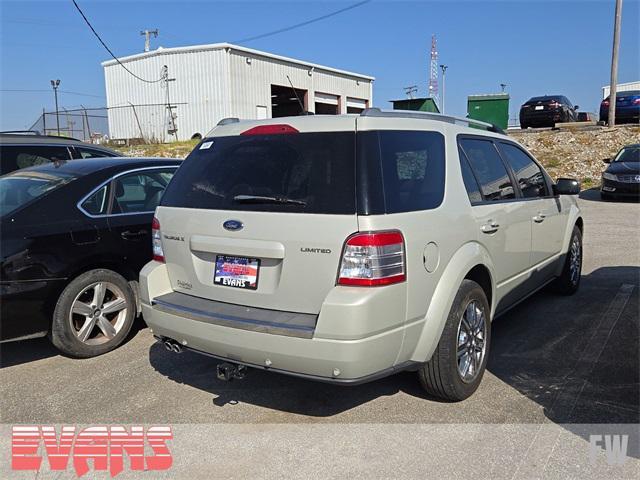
column 489, row 169
column 97, row 203
column 528, row 174
column 470, row 182
column 92, row 153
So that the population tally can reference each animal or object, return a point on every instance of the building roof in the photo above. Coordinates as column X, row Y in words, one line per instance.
column 237, row 48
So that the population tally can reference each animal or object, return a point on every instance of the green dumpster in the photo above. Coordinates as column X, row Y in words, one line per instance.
column 419, row 104
column 489, row 108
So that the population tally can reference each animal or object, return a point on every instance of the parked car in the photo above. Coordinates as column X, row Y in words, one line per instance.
column 627, row 107
column 74, row 236
column 343, row 249
column 622, row 176
column 546, row 111
column 20, row 150
column 586, row 117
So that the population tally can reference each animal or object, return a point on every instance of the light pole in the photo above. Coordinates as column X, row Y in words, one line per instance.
column 444, row 71
column 613, row 86
column 55, row 84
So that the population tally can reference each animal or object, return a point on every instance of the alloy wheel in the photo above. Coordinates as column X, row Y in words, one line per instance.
column 575, row 261
column 98, row 313
column 471, row 348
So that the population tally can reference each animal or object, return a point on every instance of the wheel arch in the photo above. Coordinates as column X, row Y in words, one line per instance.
column 93, row 264
column 472, row 261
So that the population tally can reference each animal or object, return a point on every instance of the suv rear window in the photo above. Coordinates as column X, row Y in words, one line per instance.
column 302, row 172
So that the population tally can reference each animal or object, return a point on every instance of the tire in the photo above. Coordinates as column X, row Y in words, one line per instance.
column 89, row 330
column 569, row 280
column 443, row 375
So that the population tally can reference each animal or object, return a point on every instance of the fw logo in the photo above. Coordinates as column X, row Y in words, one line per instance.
column 615, row 447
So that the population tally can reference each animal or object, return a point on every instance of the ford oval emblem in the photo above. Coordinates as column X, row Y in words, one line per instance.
column 233, row 225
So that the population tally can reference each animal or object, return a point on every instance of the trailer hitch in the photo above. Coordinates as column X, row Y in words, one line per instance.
column 230, row 371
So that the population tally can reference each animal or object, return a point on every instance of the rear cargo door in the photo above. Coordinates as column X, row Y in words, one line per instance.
column 260, row 219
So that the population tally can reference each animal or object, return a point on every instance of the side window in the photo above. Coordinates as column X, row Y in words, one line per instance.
column 487, row 165
column 140, row 192
column 413, row 168
column 470, row 183
column 29, row 156
column 91, row 152
column 97, row 203
column 529, row 176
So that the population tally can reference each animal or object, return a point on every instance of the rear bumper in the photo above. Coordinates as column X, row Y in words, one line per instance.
column 623, row 114
column 546, row 118
column 356, row 337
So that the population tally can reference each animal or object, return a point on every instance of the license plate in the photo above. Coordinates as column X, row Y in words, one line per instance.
column 238, row 272
column 539, row 107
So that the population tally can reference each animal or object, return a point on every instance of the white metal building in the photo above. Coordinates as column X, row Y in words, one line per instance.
column 621, row 87
column 207, row 83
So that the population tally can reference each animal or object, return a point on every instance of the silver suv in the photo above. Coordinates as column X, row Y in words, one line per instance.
column 347, row 248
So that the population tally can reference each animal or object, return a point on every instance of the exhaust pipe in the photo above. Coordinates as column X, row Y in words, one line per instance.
column 172, row 346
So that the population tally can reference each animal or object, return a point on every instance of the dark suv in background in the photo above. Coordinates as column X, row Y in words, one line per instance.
column 627, row 107
column 547, row 111
column 21, row 150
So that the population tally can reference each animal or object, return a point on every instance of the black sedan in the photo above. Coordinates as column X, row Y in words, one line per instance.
column 546, row 111
column 73, row 237
column 622, row 176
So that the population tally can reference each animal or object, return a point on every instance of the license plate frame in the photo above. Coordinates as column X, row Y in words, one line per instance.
column 236, row 272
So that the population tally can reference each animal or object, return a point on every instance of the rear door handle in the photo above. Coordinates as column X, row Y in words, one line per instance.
column 490, row 227
column 129, row 235
column 539, row 218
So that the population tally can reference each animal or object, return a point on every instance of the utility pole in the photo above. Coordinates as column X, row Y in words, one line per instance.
column 613, row 88
column 173, row 129
column 147, row 38
column 55, row 84
column 444, row 71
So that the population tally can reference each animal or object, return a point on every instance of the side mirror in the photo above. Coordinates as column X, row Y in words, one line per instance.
column 576, row 107
column 606, row 160
column 566, row 186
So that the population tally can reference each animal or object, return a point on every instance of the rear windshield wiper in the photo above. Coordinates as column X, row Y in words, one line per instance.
column 267, row 199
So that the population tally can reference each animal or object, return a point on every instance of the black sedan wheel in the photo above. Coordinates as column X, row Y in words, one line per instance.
column 94, row 314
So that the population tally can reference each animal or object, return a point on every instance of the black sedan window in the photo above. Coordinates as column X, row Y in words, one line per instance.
column 20, row 188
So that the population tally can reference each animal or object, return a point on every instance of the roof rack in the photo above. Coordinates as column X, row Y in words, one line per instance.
column 470, row 122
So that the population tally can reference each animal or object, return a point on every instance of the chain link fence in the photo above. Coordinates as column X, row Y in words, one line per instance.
column 86, row 124
column 147, row 123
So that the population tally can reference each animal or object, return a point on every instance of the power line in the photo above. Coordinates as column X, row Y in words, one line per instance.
column 109, row 50
column 18, row 90
column 302, row 24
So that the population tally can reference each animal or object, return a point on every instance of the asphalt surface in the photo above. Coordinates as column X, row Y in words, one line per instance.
column 554, row 361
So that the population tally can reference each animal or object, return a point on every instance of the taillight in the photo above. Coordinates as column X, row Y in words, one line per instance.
column 605, row 103
column 158, row 253
column 373, row 259
column 275, row 129
column 636, row 101
column 554, row 104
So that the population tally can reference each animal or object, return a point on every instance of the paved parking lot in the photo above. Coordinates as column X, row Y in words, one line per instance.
column 554, row 360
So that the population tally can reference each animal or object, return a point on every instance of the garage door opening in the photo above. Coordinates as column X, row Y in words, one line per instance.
column 284, row 102
column 327, row 104
column 356, row 105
